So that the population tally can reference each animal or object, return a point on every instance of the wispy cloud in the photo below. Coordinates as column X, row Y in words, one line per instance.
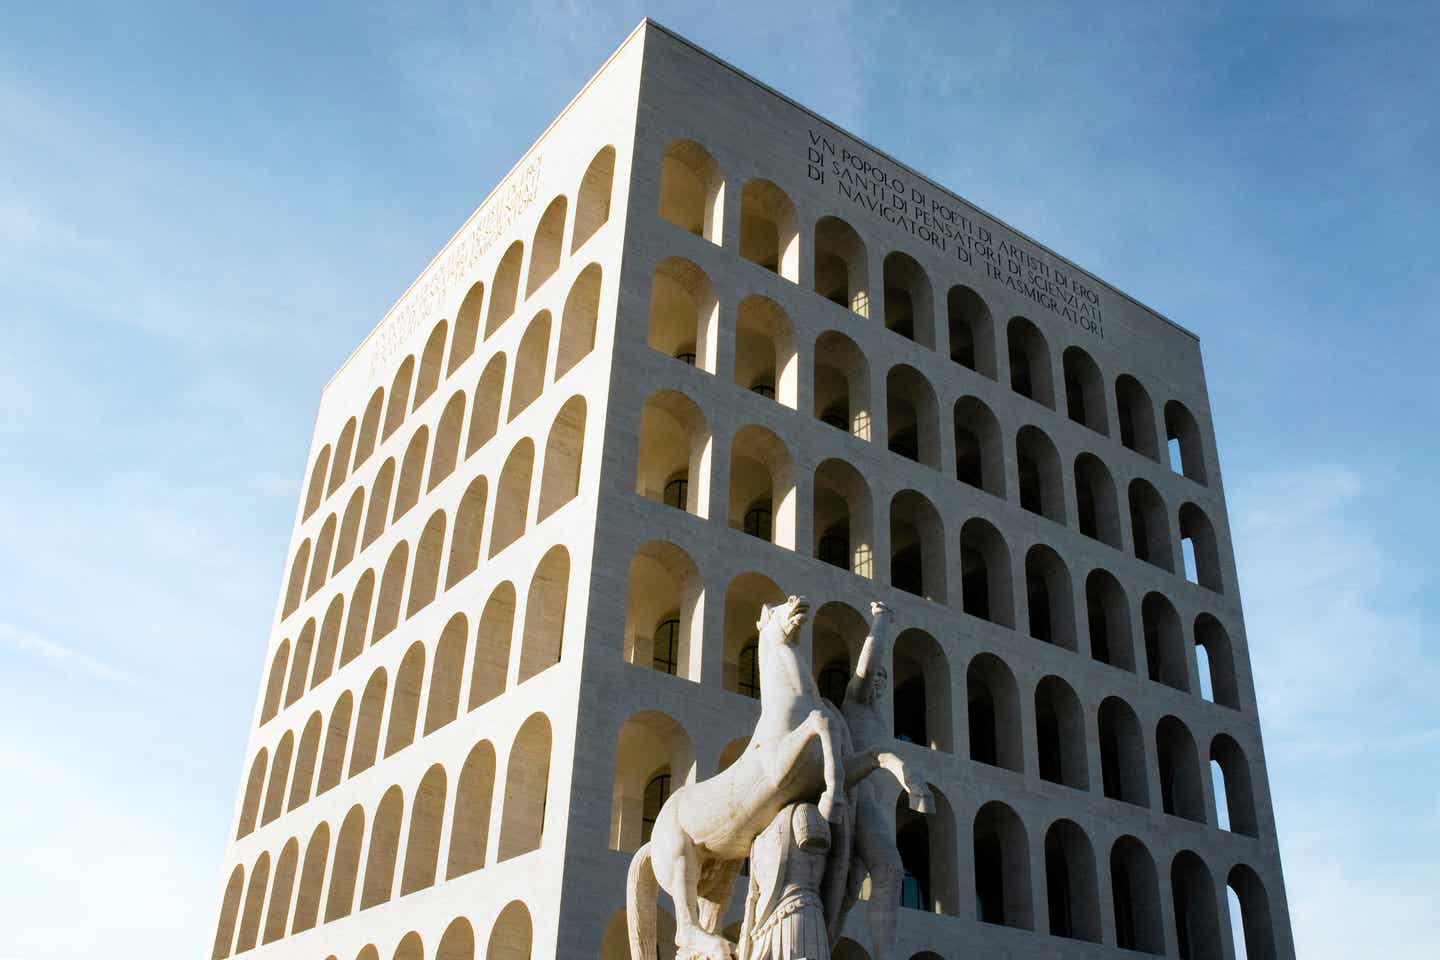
column 60, row 657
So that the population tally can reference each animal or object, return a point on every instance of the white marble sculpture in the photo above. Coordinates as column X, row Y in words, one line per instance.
column 800, row 754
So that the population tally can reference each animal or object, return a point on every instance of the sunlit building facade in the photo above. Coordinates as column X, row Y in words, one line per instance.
column 701, row 349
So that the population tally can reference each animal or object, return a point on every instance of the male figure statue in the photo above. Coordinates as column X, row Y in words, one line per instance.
column 869, row 712
column 784, row 912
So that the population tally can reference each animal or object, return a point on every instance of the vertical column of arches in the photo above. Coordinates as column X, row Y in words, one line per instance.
column 527, row 777
column 592, row 199
column 763, row 491
column 842, row 384
column 674, row 456
column 844, row 513
column 684, row 314
column 909, row 300
column 769, row 233
column 664, row 610
column 692, row 189
column 578, row 320
column 542, row 641
column 548, row 245
column 842, row 265
column 917, row 547
column 564, row 450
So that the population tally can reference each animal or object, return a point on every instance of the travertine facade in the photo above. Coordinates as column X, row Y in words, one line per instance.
column 697, row 346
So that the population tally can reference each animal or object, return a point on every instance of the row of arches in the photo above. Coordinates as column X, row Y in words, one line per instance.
column 1001, row 861
column 692, row 191
column 674, row 466
column 446, row 350
column 468, row 667
column 366, row 857
column 337, row 545
column 511, row 938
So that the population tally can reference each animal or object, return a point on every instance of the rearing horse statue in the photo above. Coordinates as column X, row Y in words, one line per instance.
column 703, row 832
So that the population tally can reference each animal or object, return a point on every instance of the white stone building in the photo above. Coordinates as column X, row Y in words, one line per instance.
column 701, row 348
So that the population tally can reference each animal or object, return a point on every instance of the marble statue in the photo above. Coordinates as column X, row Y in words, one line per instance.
column 801, row 758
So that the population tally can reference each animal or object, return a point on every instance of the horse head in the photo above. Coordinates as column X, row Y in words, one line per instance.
column 782, row 622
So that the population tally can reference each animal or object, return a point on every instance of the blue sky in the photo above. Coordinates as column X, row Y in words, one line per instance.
column 201, row 212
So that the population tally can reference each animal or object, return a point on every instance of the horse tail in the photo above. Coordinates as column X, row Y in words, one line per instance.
column 641, row 893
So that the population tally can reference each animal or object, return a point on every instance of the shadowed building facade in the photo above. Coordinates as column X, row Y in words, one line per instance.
column 698, row 350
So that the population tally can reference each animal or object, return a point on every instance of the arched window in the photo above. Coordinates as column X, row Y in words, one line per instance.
column 340, row 464
column 972, row 331
column 275, row 685
column 1150, row 525
column 316, row 489
column 412, row 469
column 399, row 397
column 1137, row 417
column 1200, row 549
column 429, row 551
column 841, row 265
column 442, row 705
column 1180, row 791
column 748, row 670
column 447, row 440
column 692, row 189
column 349, row 530
column 505, row 290
column 229, row 911
column 1107, row 612
column 512, row 497
column 921, row 677
column 684, row 313
column 747, row 594
column 1002, row 868
column 405, row 700
column 1051, row 604
column 485, row 417
column 1060, row 734
column 993, row 702
column 768, row 234
column 1096, row 500
column 1246, row 896
column 657, row 791
column 564, row 449
column 1071, row 886
column 1165, row 651
column 542, row 642
column 369, row 427
column 912, row 416
column 1042, row 488
column 254, row 784
column 471, row 824
column 337, row 738
column 653, row 754
column 1030, row 362
column 312, row 878
column 1197, row 922
column 1211, row 637
column 979, row 457
column 1135, row 891
column 674, row 445
column 254, row 904
column 578, row 320
column 765, row 359
column 1122, row 753
column 298, row 566
column 842, row 384
column 467, row 326
column 367, row 724
column 411, row 947
column 432, row 363
column 511, row 937
column 392, row 588
column 305, row 758
column 384, row 846
column 321, row 565
column 1084, row 390
column 458, row 941
column 527, row 776
column 548, row 245
column 358, row 623
column 664, row 610
column 328, row 645
column 379, row 511
column 844, row 518
column 917, row 547
column 1230, row 773
column 277, row 914
column 592, row 202
column 1186, row 448
column 422, row 847
column 909, row 303
column 279, row 777
column 489, row 672
column 985, row 573
column 762, row 486
column 341, row 899
column 530, row 361
column 469, row 532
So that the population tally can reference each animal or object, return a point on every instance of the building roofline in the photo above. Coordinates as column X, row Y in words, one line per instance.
column 493, row 191
column 901, row 163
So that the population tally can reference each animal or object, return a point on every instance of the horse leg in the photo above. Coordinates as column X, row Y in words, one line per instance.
column 676, row 861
